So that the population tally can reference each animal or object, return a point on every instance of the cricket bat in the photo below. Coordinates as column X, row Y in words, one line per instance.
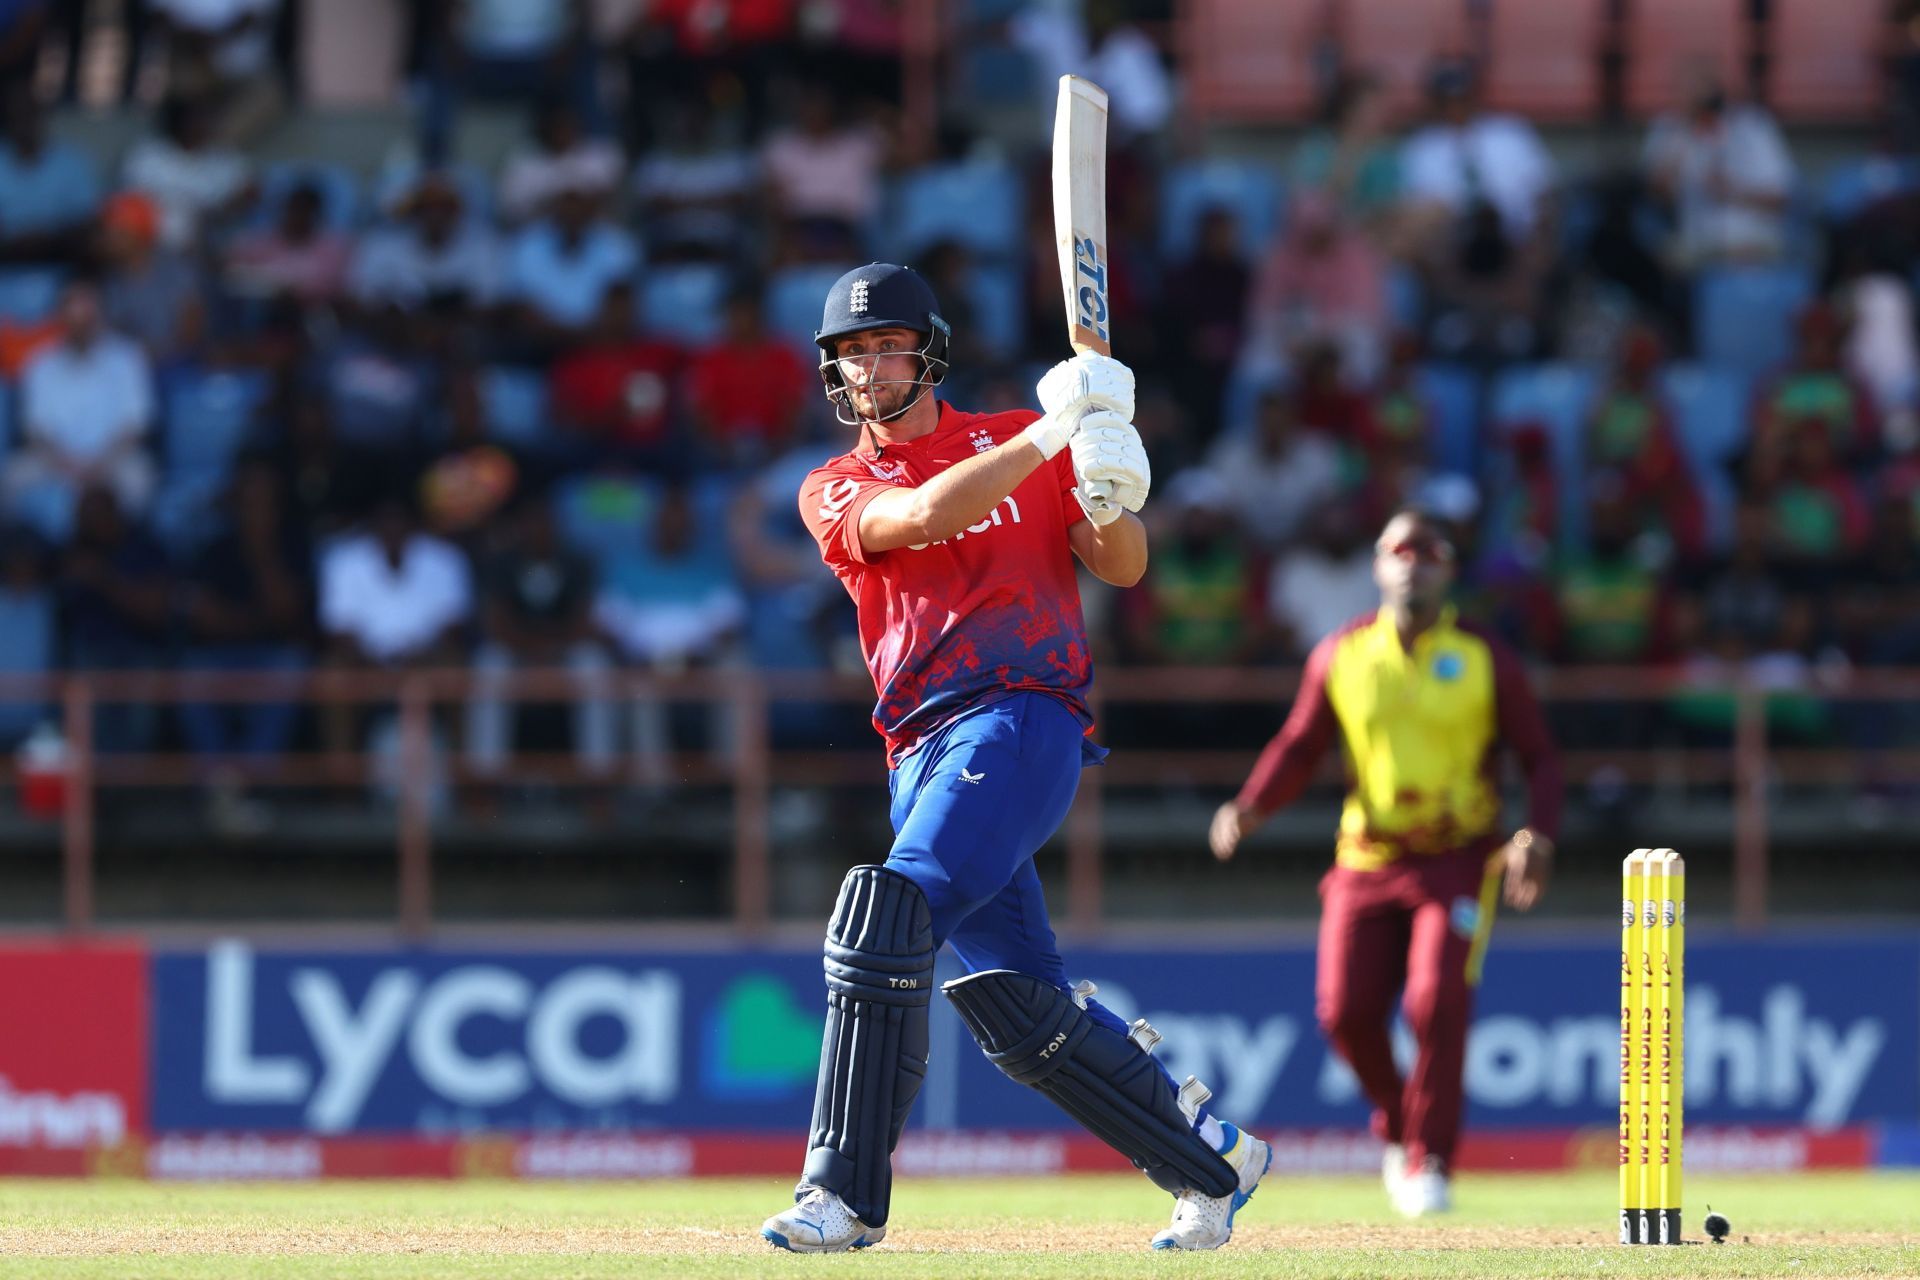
column 1080, row 216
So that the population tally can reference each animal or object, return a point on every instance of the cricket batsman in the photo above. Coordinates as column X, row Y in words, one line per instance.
column 952, row 533
column 1422, row 703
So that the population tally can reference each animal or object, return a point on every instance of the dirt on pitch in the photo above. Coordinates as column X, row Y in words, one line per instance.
column 1021, row 1238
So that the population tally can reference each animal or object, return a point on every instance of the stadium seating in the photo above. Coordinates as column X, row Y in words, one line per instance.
column 684, row 303
column 1851, row 186
column 514, row 404
column 340, row 194
column 1709, row 408
column 794, row 298
column 1743, row 316
column 1452, row 392
column 1400, row 39
column 1250, row 189
column 995, row 290
column 207, row 417
column 1666, row 39
column 28, row 294
column 978, row 204
column 1559, row 398
column 1251, row 59
column 1543, row 60
column 1824, row 59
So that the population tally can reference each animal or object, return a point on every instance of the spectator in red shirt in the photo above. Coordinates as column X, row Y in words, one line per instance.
column 745, row 392
column 618, row 390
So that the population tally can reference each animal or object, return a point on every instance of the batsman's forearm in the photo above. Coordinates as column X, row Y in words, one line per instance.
column 966, row 494
column 1119, row 551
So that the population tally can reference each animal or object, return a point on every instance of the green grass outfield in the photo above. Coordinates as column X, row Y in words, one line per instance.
column 1084, row 1227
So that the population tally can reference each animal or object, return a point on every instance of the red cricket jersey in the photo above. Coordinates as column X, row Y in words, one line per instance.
column 992, row 611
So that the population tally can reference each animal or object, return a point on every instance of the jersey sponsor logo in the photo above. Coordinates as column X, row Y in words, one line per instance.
column 971, row 777
column 993, row 521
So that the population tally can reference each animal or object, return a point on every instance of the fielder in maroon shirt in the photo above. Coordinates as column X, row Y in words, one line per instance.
column 1421, row 704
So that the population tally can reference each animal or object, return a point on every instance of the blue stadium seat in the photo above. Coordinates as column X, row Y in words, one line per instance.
column 998, row 311
column 186, row 513
column 1851, row 186
column 1452, row 392
column 7, row 393
column 978, row 204
column 1250, row 189
column 685, row 303
column 340, row 194
column 207, row 417
column 997, row 74
column 1709, row 408
column 795, row 296
column 1406, row 298
column 28, row 294
column 1559, row 397
column 514, row 402
column 600, row 516
column 1743, row 316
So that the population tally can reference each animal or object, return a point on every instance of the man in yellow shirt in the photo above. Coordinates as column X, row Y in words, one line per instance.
column 1422, row 704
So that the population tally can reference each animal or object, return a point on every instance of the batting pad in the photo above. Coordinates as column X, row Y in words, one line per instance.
column 879, row 962
column 1035, row 1033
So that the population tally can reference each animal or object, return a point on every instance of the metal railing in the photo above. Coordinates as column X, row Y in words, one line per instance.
column 751, row 767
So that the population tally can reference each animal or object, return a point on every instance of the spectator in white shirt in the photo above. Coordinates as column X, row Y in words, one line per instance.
column 1318, row 586
column 824, row 176
column 524, row 49
column 696, row 189
column 432, row 252
column 1466, row 156
column 560, row 267
column 391, row 596
column 1098, row 41
column 196, row 183
column 87, row 406
column 1726, row 173
column 1275, row 476
column 225, row 48
column 563, row 158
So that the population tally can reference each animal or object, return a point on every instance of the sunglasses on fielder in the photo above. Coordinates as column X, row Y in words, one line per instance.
column 1427, row 550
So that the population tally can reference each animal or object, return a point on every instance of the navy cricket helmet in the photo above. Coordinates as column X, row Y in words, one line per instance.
column 882, row 295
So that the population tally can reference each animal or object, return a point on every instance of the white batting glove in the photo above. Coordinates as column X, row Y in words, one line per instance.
column 1050, row 432
column 1087, row 382
column 1110, row 463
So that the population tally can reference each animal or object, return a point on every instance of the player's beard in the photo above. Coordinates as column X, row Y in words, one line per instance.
column 879, row 402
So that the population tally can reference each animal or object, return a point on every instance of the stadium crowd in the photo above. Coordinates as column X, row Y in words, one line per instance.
column 284, row 416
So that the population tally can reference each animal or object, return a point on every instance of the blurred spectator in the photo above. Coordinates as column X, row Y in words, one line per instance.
column 299, row 256
column 682, row 50
column 473, row 478
column 1815, row 388
column 536, row 612
column 1323, row 280
column 196, row 183
column 1876, row 603
column 1524, row 519
column 1632, row 433
column 246, row 605
column 1277, row 475
column 1200, row 603
column 1349, row 156
column 87, row 405
column 560, row 267
column 796, row 616
column 223, row 49
column 1324, row 581
column 824, row 178
column 1203, row 314
column 1099, row 40
column 1488, row 298
column 1819, row 517
column 1724, row 172
column 525, row 49
column 670, row 604
column 48, row 189
column 616, row 389
column 116, row 605
column 562, row 158
column 431, row 251
column 390, row 595
column 319, row 487
column 1614, row 605
column 746, row 391
column 1881, row 351
column 696, row 189
column 379, row 386
column 1398, row 413
column 153, row 294
column 1466, row 157
column 27, row 625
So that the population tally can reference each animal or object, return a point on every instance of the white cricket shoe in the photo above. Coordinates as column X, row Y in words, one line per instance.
column 820, row 1223
column 1428, row 1191
column 1393, row 1171
column 1201, row 1221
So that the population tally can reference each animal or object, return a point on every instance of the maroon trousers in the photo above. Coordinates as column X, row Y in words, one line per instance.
column 1413, row 930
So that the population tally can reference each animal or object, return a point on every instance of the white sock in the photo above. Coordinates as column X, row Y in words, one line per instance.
column 1221, row 1137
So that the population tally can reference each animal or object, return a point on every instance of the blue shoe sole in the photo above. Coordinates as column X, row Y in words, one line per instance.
column 779, row 1241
